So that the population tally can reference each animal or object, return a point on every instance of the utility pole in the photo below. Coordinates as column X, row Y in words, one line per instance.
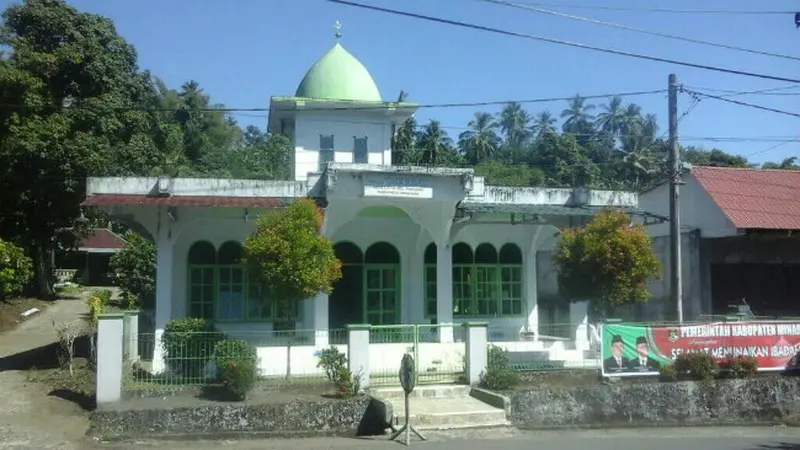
column 675, row 167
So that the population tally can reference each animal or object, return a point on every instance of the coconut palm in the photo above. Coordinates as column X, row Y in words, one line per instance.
column 434, row 143
column 543, row 123
column 577, row 115
column 612, row 119
column 481, row 141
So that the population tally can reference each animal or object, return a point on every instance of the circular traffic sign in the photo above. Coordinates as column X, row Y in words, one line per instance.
column 407, row 373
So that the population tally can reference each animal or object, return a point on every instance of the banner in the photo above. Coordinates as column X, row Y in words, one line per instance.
column 637, row 349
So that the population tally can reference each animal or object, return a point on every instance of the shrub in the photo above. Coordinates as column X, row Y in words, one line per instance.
column 347, row 384
column 236, row 366
column 188, row 345
column 498, row 376
column 332, row 361
column 740, row 367
column 16, row 270
column 98, row 303
column 668, row 373
column 238, row 376
column 696, row 365
column 135, row 269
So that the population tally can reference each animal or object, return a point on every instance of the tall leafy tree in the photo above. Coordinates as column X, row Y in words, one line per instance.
column 77, row 94
column 515, row 123
column 577, row 116
column 435, row 146
column 481, row 141
column 613, row 118
column 543, row 123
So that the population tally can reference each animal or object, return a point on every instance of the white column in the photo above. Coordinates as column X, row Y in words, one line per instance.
column 444, row 288
column 579, row 321
column 531, row 271
column 477, row 351
column 358, row 352
column 164, row 279
column 132, row 335
column 319, row 319
column 109, row 358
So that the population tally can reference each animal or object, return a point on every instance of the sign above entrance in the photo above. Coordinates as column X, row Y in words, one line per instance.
column 397, row 185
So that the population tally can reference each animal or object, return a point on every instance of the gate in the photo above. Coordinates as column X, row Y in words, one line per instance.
column 436, row 362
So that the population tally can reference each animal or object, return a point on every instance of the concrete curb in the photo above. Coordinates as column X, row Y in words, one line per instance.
column 492, row 399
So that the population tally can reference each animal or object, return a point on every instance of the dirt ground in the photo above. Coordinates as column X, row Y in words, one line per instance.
column 37, row 411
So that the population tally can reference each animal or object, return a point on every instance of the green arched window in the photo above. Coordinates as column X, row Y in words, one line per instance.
column 486, row 283
column 220, row 288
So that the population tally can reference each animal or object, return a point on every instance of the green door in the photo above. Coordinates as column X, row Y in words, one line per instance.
column 382, row 294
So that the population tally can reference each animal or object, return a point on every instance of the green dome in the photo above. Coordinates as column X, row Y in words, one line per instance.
column 339, row 76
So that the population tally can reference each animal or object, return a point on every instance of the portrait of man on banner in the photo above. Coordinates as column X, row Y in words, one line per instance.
column 617, row 362
column 643, row 362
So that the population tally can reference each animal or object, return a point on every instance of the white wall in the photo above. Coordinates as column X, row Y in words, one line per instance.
column 698, row 210
column 343, row 126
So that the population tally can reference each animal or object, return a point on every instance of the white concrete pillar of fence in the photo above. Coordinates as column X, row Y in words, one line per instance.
column 579, row 320
column 477, row 351
column 358, row 352
column 444, row 289
column 131, row 335
column 109, row 358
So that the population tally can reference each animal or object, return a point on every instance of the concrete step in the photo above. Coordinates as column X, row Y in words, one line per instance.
column 396, row 394
column 436, row 413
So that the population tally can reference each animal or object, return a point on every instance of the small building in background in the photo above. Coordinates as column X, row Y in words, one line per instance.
column 89, row 262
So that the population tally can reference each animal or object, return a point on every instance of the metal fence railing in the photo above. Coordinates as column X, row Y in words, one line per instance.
column 575, row 346
column 188, row 359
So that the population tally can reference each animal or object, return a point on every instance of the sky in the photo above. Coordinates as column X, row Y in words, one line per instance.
column 244, row 51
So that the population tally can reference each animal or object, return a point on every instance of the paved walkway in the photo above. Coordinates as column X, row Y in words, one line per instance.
column 733, row 438
column 29, row 418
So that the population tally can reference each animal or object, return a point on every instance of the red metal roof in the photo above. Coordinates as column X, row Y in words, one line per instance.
column 754, row 198
column 104, row 239
column 182, row 200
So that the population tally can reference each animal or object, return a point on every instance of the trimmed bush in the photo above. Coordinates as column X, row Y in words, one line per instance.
column 739, row 367
column 498, row 376
column 696, row 365
column 332, row 361
column 668, row 373
column 236, row 366
column 188, row 345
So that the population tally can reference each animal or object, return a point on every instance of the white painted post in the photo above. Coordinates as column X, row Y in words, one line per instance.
column 444, row 289
column 319, row 319
column 109, row 358
column 532, row 284
column 477, row 351
column 164, row 272
column 579, row 319
column 358, row 352
column 132, row 335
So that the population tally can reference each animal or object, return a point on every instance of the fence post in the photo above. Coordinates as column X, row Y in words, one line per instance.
column 579, row 320
column 109, row 358
column 477, row 351
column 358, row 352
column 131, row 335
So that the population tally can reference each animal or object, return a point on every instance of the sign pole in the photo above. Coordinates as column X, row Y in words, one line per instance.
column 408, row 381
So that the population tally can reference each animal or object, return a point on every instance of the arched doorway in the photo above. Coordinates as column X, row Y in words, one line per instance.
column 382, row 284
column 345, row 304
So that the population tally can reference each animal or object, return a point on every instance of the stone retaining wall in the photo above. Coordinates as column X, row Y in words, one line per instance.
column 763, row 400
column 217, row 420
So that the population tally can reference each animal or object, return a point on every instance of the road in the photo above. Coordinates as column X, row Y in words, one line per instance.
column 732, row 438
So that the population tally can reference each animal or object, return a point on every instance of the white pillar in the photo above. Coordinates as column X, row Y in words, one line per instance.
column 109, row 358
column 444, row 289
column 132, row 335
column 477, row 351
column 358, row 352
column 579, row 321
column 164, row 279
column 317, row 315
column 531, row 271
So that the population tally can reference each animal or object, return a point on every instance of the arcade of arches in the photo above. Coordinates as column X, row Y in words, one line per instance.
column 487, row 282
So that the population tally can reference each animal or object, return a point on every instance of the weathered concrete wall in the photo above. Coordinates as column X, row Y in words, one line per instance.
column 768, row 400
column 218, row 420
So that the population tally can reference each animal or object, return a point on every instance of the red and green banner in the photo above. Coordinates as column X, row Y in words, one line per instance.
column 639, row 349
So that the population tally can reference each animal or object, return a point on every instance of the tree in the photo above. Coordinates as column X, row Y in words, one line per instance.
column 481, row 141
column 435, row 145
column 577, row 117
column 289, row 256
column 789, row 163
column 15, row 270
column 608, row 261
column 72, row 83
column 135, row 269
column 713, row 158
column 499, row 174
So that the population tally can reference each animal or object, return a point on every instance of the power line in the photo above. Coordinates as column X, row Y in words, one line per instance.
column 361, row 108
column 659, row 10
column 562, row 42
column 733, row 93
column 773, row 147
column 751, row 105
column 638, row 30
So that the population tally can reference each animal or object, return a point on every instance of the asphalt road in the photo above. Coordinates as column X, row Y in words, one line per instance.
column 732, row 438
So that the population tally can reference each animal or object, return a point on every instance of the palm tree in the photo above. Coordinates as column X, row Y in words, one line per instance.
column 434, row 143
column 577, row 114
column 612, row 119
column 515, row 123
column 543, row 124
column 480, row 141
column 404, row 141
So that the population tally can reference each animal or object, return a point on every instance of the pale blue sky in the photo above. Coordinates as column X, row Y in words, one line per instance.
column 243, row 51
